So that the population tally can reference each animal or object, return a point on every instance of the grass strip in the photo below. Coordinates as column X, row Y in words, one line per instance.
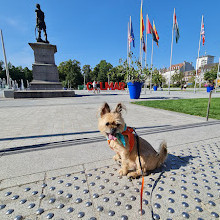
column 196, row 107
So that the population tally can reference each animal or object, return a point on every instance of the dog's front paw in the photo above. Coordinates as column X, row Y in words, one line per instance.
column 132, row 175
column 116, row 157
column 122, row 172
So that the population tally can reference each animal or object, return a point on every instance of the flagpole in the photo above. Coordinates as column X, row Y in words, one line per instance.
column 146, row 42
column 171, row 54
column 216, row 83
column 128, row 51
column 141, row 32
column 127, row 42
column 198, row 56
column 151, row 65
column 146, row 52
column 6, row 63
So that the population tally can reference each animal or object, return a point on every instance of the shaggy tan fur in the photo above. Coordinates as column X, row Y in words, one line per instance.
column 110, row 123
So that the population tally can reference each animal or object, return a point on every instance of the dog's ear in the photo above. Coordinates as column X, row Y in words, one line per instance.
column 119, row 108
column 104, row 109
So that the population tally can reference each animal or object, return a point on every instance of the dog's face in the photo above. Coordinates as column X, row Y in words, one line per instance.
column 111, row 122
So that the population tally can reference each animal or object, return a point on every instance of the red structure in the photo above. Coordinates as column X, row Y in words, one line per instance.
column 112, row 86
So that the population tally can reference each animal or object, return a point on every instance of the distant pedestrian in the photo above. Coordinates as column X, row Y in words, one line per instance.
column 98, row 87
column 185, row 87
column 94, row 84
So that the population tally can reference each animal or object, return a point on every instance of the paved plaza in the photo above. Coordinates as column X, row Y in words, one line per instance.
column 56, row 165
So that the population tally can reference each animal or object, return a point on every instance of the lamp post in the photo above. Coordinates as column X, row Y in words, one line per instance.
column 6, row 63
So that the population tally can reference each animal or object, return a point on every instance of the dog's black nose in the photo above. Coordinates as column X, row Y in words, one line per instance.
column 113, row 131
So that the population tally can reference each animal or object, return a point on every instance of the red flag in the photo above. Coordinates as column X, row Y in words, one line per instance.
column 176, row 27
column 149, row 27
column 203, row 32
column 156, row 34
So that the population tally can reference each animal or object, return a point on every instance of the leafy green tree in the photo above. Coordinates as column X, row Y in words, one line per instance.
column 104, row 68
column 28, row 76
column 1, row 65
column 178, row 78
column 134, row 71
column 146, row 72
column 101, row 70
column 16, row 73
column 70, row 71
column 211, row 75
column 87, row 71
column 192, row 81
column 157, row 78
column 116, row 74
column 95, row 73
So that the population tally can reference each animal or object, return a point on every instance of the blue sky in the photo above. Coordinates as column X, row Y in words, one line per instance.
column 90, row 31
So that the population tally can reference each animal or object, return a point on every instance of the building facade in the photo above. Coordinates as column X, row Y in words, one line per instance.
column 177, row 68
column 204, row 60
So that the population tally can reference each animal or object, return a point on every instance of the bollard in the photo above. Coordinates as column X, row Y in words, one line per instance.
column 207, row 115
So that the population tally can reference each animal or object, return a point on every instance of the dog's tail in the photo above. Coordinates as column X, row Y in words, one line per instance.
column 162, row 154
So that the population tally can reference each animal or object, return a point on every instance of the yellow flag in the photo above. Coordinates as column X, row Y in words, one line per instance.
column 141, row 23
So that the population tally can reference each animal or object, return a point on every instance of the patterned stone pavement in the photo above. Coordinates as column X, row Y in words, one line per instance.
column 56, row 165
column 187, row 187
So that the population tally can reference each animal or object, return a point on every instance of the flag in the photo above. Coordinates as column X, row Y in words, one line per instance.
column 143, row 43
column 203, row 32
column 176, row 28
column 141, row 23
column 131, row 36
column 149, row 27
column 150, row 30
column 155, row 35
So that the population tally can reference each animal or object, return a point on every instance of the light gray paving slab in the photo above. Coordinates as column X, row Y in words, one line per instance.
column 21, row 180
column 67, row 171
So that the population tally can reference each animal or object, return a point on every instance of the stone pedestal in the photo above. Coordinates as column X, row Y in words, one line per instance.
column 45, row 82
column 45, row 73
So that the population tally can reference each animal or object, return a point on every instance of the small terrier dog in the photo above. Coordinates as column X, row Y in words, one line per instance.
column 120, row 138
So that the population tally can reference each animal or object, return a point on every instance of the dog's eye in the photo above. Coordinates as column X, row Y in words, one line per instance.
column 118, row 125
column 107, row 124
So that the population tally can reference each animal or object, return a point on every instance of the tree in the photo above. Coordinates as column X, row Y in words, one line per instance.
column 70, row 71
column 116, row 74
column 157, row 78
column 192, row 81
column 1, row 65
column 28, row 76
column 133, row 70
column 95, row 73
column 178, row 78
column 101, row 70
column 211, row 75
column 87, row 71
column 16, row 73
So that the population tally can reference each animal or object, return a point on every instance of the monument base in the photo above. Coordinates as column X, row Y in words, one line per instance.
column 45, row 85
column 43, row 94
column 8, row 93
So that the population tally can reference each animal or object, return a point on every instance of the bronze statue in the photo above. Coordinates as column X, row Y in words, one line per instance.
column 40, row 24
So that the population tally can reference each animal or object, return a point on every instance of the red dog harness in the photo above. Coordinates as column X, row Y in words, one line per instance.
column 128, row 132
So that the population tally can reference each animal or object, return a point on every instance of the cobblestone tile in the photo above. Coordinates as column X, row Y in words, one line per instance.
column 186, row 187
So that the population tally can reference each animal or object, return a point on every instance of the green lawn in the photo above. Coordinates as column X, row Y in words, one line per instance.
column 189, row 106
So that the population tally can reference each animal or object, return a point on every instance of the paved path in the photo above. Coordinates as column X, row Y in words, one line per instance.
column 53, row 147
